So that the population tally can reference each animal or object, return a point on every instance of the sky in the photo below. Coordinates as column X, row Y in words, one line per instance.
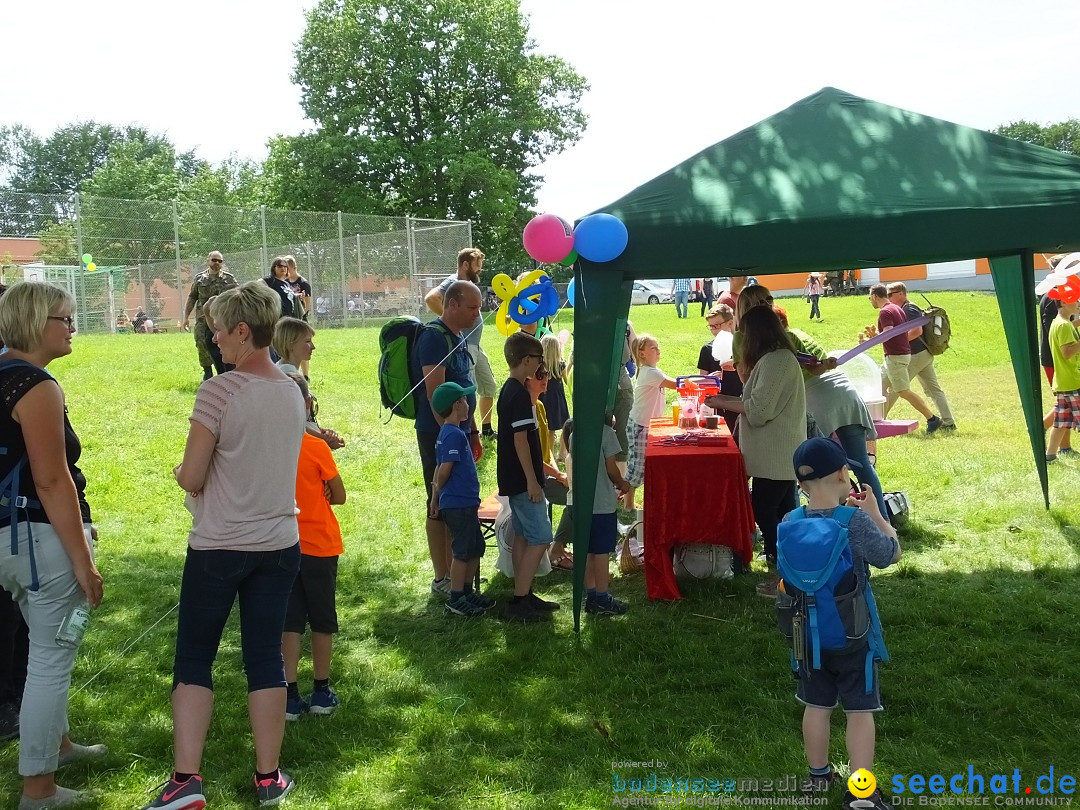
column 666, row 79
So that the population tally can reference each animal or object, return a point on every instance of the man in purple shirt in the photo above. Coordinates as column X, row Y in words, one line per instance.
column 898, row 357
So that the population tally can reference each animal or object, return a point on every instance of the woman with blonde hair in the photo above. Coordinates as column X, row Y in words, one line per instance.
column 293, row 342
column 239, row 470
column 51, row 571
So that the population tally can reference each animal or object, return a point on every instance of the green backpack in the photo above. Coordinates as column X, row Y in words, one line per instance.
column 399, row 376
column 935, row 335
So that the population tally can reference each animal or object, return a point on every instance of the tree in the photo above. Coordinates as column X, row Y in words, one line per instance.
column 435, row 108
column 1063, row 136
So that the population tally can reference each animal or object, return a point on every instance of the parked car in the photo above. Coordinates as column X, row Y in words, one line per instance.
column 651, row 292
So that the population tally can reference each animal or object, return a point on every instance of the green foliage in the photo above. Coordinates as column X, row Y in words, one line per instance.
column 449, row 714
column 1063, row 136
column 435, row 108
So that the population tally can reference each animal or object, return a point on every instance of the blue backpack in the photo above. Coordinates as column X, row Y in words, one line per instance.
column 821, row 604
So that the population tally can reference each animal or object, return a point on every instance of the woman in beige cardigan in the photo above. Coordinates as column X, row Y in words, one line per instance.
column 772, row 419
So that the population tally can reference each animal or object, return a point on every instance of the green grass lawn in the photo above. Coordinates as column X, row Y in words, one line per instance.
column 443, row 713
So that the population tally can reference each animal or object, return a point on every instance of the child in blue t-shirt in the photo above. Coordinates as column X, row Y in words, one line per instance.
column 455, row 498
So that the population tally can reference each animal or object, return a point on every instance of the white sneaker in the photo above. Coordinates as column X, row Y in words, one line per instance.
column 441, row 587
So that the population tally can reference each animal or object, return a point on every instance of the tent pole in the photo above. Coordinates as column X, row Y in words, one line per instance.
column 602, row 303
column 1014, row 284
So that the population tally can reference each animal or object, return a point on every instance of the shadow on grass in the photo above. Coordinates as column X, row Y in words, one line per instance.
column 442, row 712
column 915, row 536
column 1066, row 527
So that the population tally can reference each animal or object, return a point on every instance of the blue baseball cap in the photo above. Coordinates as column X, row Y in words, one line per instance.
column 815, row 458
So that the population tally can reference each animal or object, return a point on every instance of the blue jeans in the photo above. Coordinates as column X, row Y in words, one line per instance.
column 682, row 300
column 212, row 581
column 853, row 440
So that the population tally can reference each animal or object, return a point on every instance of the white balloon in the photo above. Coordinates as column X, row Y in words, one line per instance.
column 1068, row 266
column 722, row 347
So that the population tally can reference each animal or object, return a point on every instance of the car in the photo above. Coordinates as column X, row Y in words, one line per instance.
column 651, row 292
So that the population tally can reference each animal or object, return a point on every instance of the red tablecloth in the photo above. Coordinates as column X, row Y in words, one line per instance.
column 692, row 495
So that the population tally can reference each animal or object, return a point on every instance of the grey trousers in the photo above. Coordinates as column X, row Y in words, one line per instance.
column 43, row 719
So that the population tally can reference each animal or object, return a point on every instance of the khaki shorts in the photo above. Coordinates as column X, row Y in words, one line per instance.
column 896, row 372
column 482, row 374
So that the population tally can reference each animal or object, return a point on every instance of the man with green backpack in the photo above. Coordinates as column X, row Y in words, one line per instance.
column 926, row 343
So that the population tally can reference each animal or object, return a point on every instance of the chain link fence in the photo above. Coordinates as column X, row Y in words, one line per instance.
column 147, row 253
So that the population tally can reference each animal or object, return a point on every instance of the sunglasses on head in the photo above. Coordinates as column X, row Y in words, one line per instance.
column 541, row 374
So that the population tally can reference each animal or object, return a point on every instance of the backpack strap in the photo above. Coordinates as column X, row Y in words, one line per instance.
column 451, row 346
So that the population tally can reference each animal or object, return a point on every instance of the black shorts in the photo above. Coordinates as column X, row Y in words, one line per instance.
column 312, row 598
column 425, row 442
column 603, row 534
column 843, row 677
column 466, row 538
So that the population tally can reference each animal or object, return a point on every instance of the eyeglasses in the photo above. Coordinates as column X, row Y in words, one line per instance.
column 68, row 320
column 716, row 327
column 216, row 261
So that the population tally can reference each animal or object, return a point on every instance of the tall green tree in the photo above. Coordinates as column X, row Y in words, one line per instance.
column 435, row 108
column 1063, row 136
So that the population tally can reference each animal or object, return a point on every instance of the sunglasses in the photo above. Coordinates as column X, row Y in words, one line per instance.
column 216, row 261
column 540, row 374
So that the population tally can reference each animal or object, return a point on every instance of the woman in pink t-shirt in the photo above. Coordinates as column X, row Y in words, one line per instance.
column 239, row 471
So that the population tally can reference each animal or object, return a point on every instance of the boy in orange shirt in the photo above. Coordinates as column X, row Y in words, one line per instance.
column 318, row 485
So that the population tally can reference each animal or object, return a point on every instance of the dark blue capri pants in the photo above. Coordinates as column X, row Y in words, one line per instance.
column 212, row 581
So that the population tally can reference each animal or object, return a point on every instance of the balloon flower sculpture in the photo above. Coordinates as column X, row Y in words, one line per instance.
column 1063, row 283
column 533, row 298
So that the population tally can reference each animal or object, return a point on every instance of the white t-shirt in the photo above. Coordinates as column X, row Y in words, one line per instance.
column 648, row 395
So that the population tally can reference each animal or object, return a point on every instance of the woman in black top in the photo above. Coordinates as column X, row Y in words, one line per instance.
column 52, row 570
column 277, row 281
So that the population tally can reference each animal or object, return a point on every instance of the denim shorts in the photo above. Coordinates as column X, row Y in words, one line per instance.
column 530, row 519
column 843, row 677
column 466, row 539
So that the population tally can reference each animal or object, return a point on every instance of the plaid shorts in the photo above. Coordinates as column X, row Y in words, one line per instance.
column 1067, row 410
column 637, row 436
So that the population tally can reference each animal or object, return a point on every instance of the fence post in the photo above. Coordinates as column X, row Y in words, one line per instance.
column 410, row 240
column 360, row 273
column 262, row 221
column 81, row 308
column 341, row 252
column 468, row 224
column 176, row 250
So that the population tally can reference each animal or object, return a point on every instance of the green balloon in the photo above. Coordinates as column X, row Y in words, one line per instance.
column 569, row 260
column 87, row 258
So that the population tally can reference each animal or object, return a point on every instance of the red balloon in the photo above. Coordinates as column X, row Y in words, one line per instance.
column 1055, row 293
column 1070, row 290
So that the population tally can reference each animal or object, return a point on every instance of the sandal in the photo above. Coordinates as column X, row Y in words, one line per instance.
column 565, row 562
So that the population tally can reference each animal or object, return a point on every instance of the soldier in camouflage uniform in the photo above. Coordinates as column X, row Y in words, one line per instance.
column 210, row 282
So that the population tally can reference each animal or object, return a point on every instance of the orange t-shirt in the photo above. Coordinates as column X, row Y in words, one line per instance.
column 320, row 534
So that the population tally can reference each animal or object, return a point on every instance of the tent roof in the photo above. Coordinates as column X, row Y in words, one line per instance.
column 838, row 181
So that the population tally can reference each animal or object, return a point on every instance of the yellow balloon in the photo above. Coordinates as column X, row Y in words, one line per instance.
column 503, row 286
column 505, row 326
column 91, row 267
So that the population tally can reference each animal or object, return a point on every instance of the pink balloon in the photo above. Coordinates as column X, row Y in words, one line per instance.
column 564, row 337
column 548, row 238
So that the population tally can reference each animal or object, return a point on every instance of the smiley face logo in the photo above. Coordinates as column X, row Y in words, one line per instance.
column 861, row 783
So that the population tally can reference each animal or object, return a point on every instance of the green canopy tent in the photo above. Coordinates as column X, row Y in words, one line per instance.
column 834, row 181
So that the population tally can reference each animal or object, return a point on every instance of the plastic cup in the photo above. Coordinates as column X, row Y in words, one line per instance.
column 675, row 415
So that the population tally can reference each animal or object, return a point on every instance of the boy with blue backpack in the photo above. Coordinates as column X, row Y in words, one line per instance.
column 826, row 608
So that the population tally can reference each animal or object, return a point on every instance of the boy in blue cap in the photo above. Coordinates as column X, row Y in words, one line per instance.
column 455, row 498
column 823, row 471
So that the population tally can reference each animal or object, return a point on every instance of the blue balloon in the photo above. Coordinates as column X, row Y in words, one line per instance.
column 600, row 238
column 571, row 291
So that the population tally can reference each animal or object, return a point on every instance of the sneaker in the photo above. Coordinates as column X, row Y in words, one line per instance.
column 294, row 707
column 441, row 587
column 272, row 791
column 488, row 433
column 933, row 423
column 324, row 701
column 767, row 589
column 1067, row 451
column 1050, row 459
column 463, row 606
column 606, row 605
column 821, row 783
column 542, row 604
column 477, row 598
column 63, row 797
column 77, row 753
column 875, row 801
column 524, row 610
column 949, row 427
column 180, row 795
